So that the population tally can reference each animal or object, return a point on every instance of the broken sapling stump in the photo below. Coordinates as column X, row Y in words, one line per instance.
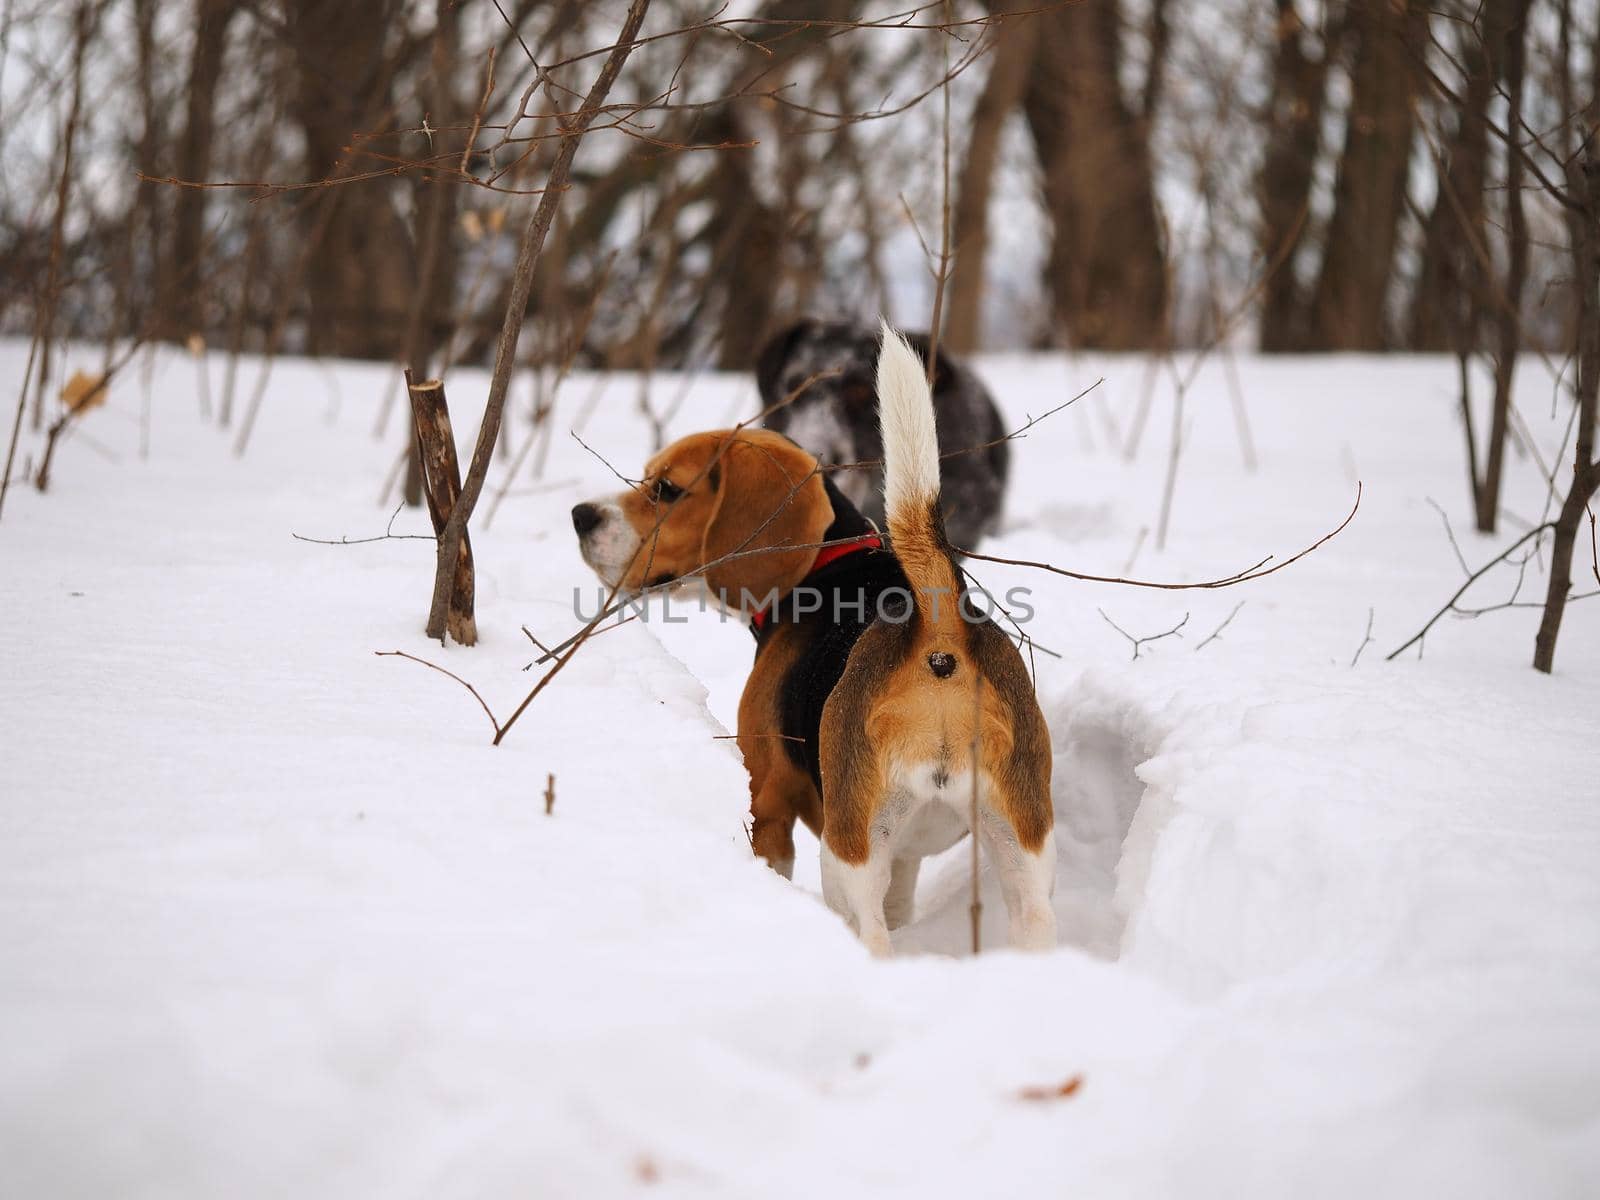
column 441, row 484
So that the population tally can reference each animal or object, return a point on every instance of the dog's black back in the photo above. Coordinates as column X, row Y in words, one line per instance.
column 836, row 418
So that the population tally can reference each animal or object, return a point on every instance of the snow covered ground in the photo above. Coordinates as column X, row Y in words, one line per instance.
column 276, row 920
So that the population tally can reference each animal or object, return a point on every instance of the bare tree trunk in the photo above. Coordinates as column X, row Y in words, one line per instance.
column 1008, row 74
column 1448, row 300
column 257, row 232
column 1508, row 323
column 1106, row 271
column 436, row 200
column 1155, row 77
column 746, row 257
column 1459, row 301
column 180, row 295
column 1348, row 312
column 516, row 312
column 867, row 198
column 146, row 228
column 1583, row 188
column 358, row 278
column 1283, row 189
column 436, row 210
column 1452, row 290
column 436, row 444
column 748, row 236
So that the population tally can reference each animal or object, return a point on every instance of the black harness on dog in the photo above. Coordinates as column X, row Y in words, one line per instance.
column 832, row 606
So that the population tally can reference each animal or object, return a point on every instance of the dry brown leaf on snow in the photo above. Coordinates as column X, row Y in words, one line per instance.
column 83, row 392
column 1059, row 1091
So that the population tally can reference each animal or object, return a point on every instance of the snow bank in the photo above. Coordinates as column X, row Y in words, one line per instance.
column 275, row 919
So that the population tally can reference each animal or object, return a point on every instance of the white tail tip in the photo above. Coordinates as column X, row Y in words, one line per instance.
column 905, row 416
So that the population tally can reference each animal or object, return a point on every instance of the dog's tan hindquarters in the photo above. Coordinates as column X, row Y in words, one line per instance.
column 898, row 730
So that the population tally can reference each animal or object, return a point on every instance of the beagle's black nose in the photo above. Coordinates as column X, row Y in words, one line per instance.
column 585, row 517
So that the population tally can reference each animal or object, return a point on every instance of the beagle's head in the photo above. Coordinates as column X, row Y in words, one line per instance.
column 708, row 498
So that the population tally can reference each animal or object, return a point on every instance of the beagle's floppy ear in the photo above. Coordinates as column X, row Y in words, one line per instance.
column 769, row 494
column 774, row 356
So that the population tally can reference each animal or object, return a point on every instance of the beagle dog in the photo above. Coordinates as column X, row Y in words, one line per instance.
column 881, row 694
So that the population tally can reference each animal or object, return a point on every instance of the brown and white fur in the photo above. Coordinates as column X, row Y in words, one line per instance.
column 898, row 730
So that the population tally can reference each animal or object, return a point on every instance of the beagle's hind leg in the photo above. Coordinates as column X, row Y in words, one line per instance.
column 1027, row 881
column 860, row 878
column 862, row 810
column 897, row 901
column 856, row 892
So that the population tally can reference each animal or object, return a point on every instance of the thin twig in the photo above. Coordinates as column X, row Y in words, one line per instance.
column 1015, row 435
column 1258, row 571
column 1451, row 534
column 1366, row 640
column 16, row 428
column 1217, row 632
column 386, row 536
column 1594, row 547
column 435, row 666
column 1138, row 642
column 1416, row 638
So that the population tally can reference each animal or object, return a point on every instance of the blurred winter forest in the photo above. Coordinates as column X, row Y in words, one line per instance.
column 335, row 178
column 663, row 185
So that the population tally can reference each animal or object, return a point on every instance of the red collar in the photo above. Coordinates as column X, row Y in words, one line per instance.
column 828, row 554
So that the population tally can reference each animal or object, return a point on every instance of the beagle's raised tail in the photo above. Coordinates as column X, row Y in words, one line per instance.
column 911, row 499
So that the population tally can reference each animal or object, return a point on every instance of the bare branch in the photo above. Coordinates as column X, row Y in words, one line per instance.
column 1449, row 605
column 1449, row 533
column 1217, row 632
column 516, row 312
column 1138, row 642
column 386, row 536
column 1366, row 640
column 436, row 667
column 1259, row 571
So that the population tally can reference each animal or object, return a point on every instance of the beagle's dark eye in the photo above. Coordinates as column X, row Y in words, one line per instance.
column 664, row 491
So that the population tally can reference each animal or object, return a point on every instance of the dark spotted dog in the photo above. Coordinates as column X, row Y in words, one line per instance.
column 836, row 418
